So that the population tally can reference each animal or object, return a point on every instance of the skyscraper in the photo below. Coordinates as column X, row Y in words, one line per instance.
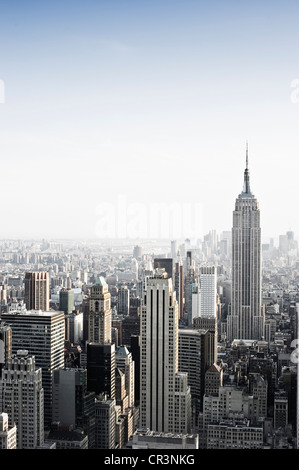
column 37, row 291
column 246, row 318
column 66, row 300
column 73, row 405
column 208, row 291
column 42, row 334
column 100, row 313
column 165, row 400
column 123, row 300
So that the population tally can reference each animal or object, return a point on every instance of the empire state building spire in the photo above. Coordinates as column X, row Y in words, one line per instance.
column 246, row 187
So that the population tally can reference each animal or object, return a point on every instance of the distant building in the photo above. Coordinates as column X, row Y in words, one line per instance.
column 123, row 301
column 37, row 291
column 66, row 300
column 137, row 252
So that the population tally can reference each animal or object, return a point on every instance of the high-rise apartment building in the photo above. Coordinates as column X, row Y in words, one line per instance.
column 100, row 313
column 42, row 334
column 22, row 398
column 246, row 317
column 37, row 291
column 159, row 404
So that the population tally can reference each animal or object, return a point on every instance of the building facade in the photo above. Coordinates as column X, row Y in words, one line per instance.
column 37, row 291
column 99, row 314
column 21, row 389
column 159, row 359
column 42, row 334
column 246, row 318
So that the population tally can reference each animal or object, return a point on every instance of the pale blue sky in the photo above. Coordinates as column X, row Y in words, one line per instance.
column 151, row 101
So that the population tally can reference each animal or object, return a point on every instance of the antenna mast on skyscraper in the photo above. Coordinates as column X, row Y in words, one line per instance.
column 246, row 154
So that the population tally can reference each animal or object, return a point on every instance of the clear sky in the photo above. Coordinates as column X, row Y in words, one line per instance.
column 110, row 109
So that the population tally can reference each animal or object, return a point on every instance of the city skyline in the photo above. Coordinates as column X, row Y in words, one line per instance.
column 161, row 98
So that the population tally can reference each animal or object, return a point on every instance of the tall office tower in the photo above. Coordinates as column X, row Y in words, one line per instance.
column 159, row 359
column 101, row 369
column 193, row 348
column 100, row 313
column 37, row 291
column 209, row 324
column 123, row 300
column 22, row 398
column 5, row 344
column 126, row 364
column 246, row 317
column 179, row 285
column 66, row 301
column 208, row 291
column 73, row 405
column 8, row 434
column 42, row 334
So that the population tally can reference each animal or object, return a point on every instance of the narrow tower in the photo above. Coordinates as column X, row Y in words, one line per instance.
column 246, row 318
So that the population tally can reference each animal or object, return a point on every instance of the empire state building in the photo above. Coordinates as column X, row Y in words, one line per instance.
column 246, row 315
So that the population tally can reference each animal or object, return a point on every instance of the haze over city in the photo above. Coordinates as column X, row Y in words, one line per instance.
column 150, row 102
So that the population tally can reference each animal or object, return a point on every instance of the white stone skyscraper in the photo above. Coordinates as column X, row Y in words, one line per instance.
column 246, row 317
column 208, row 291
column 165, row 399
